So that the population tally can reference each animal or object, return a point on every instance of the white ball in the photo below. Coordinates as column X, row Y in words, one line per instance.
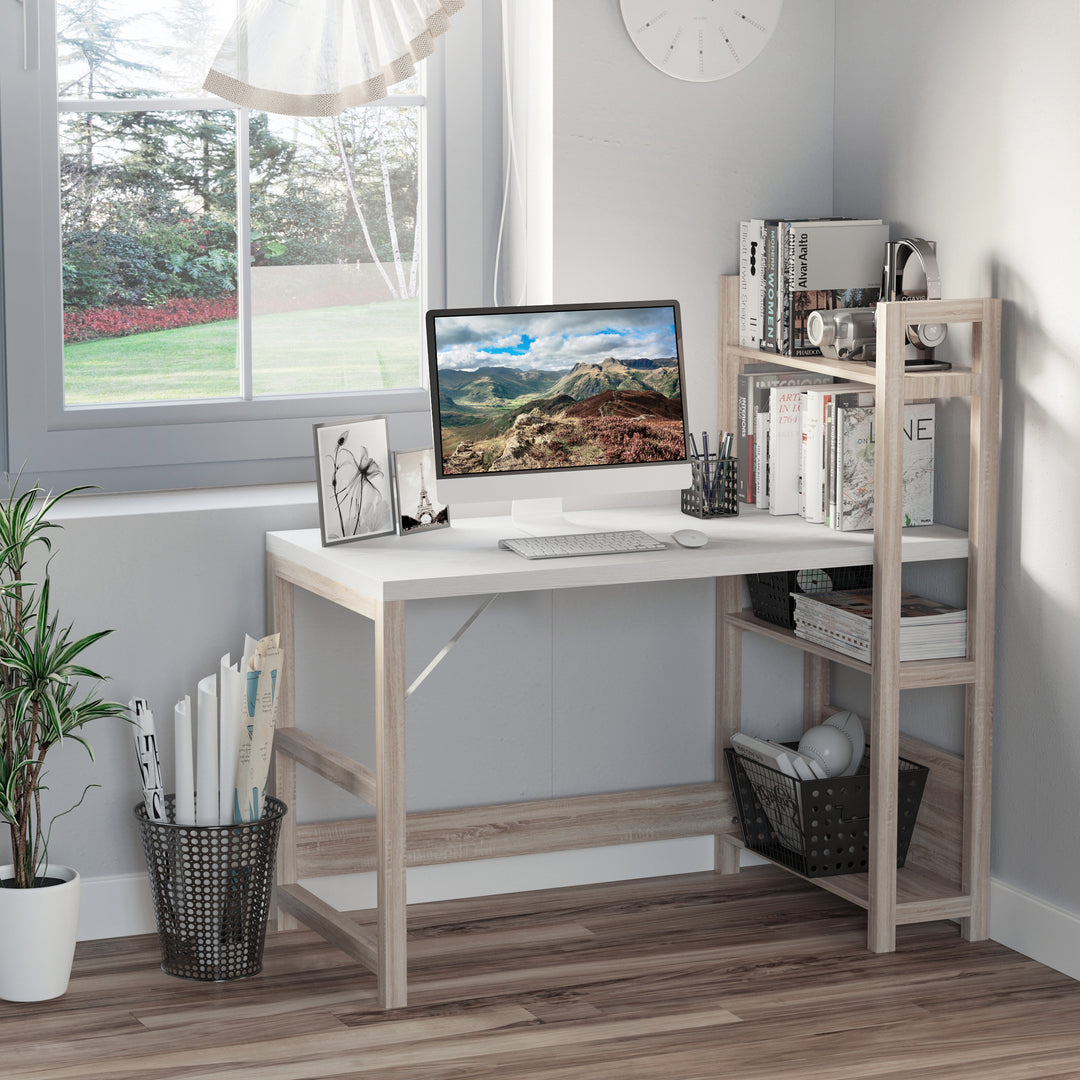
column 852, row 726
column 828, row 746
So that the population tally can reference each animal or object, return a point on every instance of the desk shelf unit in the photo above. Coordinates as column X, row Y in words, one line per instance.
column 947, row 871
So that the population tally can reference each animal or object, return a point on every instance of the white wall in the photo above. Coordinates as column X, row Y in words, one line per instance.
column 959, row 122
column 652, row 175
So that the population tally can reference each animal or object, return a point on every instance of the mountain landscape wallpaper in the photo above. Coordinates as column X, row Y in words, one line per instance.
column 557, row 389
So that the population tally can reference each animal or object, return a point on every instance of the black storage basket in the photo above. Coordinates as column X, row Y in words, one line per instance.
column 820, row 828
column 211, row 890
column 770, row 594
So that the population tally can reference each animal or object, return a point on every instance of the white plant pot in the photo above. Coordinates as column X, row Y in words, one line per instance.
column 38, row 928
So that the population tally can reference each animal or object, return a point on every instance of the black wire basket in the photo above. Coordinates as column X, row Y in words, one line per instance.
column 211, row 890
column 771, row 594
column 820, row 828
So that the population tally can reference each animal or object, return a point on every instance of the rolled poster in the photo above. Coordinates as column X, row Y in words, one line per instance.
column 206, row 760
column 149, row 763
column 184, row 775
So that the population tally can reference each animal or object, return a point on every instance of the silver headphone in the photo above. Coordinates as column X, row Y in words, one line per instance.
column 898, row 253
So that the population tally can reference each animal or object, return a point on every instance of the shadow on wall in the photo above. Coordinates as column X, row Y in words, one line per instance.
column 1037, row 752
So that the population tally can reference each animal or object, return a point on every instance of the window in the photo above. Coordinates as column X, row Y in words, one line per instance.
column 188, row 285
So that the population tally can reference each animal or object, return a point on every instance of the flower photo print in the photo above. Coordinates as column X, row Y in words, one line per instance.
column 352, row 470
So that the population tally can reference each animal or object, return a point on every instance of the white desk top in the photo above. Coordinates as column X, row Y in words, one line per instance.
column 465, row 560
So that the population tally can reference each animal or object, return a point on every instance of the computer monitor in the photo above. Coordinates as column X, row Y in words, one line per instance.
column 548, row 401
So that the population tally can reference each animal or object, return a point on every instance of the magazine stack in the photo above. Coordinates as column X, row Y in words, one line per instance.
column 842, row 620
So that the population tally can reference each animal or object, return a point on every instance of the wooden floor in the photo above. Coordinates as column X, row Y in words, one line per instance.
column 757, row 976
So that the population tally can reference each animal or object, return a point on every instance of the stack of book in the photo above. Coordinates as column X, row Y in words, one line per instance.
column 842, row 620
column 789, row 268
column 806, row 446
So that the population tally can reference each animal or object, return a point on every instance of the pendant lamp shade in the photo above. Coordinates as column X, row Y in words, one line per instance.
column 318, row 57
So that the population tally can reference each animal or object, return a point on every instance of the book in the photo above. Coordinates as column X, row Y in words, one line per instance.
column 770, row 285
column 744, row 426
column 843, row 620
column 853, row 610
column 762, row 403
column 785, row 440
column 826, row 264
column 752, row 388
column 816, row 434
column 855, row 466
column 751, row 275
column 761, row 458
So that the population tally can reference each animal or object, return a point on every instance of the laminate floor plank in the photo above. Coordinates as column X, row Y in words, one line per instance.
column 759, row 976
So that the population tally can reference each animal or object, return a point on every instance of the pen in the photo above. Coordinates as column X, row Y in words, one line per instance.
column 725, row 455
column 705, row 468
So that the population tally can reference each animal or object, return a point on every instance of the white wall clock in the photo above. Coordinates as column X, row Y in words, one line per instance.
column 700, row 40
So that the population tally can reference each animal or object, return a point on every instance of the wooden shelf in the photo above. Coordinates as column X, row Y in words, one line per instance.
column 957, row 671
column 921, row 896
column 948, row 864
column 916, row 384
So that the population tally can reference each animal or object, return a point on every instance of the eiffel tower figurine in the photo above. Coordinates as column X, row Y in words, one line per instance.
column 425, row 512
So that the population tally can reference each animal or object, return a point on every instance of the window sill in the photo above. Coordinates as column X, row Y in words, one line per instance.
column 139, row 504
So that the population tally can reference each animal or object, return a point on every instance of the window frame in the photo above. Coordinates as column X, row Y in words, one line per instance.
column 207, row 443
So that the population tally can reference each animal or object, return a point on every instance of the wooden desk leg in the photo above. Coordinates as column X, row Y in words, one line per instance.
column 727, row 695
column 390, row 800
column 280, row 619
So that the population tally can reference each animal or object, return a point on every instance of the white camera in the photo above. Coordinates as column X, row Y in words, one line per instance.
column 843, row 333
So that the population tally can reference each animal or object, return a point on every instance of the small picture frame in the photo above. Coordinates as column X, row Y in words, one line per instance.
column 354, row 480
column 418, row 511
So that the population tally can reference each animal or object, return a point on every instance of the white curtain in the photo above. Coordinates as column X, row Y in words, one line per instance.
column 318, row 57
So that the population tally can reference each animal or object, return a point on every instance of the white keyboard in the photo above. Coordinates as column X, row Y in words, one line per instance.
column 562, row 547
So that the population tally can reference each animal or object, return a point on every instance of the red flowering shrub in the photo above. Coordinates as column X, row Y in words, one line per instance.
column 639, row 439
column 110, row 322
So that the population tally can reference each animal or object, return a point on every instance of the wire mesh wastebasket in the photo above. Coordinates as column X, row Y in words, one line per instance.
column 211, row 890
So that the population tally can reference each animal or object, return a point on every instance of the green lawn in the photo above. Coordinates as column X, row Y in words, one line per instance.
column 325, row 350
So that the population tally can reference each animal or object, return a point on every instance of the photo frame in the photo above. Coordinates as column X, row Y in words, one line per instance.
column 354, row 479
column 417, row 510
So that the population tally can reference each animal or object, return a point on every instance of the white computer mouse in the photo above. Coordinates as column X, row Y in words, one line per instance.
column 689, row 538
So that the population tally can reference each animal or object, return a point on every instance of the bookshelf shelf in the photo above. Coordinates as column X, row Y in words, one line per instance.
column 913, row 674
column 921, row 895
column 947, row 871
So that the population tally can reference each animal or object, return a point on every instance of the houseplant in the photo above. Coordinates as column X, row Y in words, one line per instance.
column 41, row 705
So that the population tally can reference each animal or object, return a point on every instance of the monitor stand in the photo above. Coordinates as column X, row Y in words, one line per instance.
column 542, row 517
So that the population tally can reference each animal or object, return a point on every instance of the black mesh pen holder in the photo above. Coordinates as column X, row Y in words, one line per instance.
column 211, row 890
column 715, row 491
column 820, row 828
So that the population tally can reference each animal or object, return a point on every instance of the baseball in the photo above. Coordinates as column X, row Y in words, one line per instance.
column 828, row 746
column 851, row 725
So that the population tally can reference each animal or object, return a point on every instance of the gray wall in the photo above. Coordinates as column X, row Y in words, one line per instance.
column 960, row 122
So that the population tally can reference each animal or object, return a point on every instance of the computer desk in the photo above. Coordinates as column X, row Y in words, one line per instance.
column 375, row 578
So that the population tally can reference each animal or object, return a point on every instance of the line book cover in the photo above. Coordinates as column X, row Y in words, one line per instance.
column 855, row 466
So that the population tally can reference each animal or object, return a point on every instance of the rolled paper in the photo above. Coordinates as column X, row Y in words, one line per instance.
column 206, row 760
column 231, row 717
column 184, row 813
column 257, row 735
column 149, row 763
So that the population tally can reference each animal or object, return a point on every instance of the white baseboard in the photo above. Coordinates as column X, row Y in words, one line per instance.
column 1031, row 926
column 120, row 906
column 521, row 873
column 117, row 906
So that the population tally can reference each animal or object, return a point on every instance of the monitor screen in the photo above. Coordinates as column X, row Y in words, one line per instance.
column 556, row 399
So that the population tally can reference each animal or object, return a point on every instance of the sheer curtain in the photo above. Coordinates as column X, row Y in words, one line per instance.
column 318, row 57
